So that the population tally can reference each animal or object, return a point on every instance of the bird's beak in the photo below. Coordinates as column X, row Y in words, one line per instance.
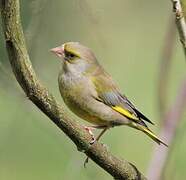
column 58, row 51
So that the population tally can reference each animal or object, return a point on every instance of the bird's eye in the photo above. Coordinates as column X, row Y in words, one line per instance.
column 69, row 55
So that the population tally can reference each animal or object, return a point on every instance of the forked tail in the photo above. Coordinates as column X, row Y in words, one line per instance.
column 151, row 135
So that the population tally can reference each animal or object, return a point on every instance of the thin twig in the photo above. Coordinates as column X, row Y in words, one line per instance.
column 173, row 116
column 168, row 131
column 44, row 100
column 180, row 21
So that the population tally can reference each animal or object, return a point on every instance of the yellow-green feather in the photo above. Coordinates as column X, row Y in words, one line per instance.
column 125, row 112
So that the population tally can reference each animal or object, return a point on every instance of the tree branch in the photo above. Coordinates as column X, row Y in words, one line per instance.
column 173, row 116
column 44, row 100
column 180, row 22
column 170, row 123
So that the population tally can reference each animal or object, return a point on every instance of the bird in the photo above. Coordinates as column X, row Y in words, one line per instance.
column 92, row 94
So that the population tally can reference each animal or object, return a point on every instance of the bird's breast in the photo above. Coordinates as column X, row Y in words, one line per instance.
column 77, row 93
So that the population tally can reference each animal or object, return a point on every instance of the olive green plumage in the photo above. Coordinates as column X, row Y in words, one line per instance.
column 92, row 94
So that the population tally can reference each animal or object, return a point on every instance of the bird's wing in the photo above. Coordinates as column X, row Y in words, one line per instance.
column 108, row 93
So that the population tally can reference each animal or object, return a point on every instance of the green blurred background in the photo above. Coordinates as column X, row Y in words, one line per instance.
column 127, row 37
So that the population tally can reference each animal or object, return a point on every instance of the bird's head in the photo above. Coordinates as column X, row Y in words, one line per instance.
column 75, row 57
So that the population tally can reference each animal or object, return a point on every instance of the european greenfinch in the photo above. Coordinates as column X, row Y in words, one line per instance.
column 90, row 92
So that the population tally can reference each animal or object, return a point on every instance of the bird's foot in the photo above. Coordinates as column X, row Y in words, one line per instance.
column 89, row 130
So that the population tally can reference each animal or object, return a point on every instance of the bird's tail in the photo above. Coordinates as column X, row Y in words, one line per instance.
column 147, row 131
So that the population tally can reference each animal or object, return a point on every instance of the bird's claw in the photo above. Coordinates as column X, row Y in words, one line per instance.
column 89, row 130
column 92, row 141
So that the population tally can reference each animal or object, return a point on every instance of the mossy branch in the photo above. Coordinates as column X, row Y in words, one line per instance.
column 44, row 100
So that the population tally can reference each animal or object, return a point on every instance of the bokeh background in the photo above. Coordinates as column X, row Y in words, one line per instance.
column 127, row 37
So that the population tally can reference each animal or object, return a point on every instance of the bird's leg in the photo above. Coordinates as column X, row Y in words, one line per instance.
column 89, row 130
column 99, row 136
column 99, row 126
column 92, row 142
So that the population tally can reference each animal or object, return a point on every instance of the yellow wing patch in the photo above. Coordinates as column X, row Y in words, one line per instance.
column 124, row 112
